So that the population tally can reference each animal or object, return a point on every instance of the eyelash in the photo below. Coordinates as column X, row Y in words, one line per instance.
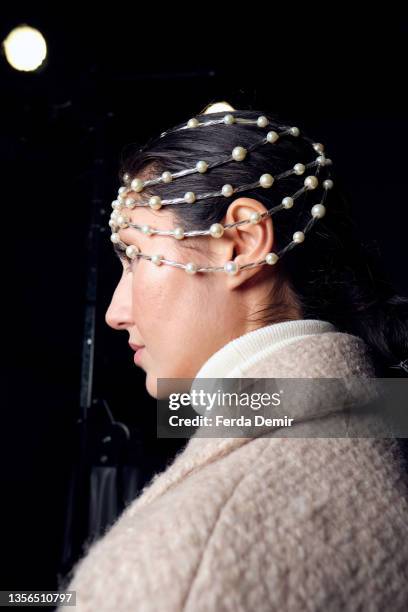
column 126, row 260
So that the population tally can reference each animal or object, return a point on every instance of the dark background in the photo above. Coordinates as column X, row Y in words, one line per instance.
column 116, row 77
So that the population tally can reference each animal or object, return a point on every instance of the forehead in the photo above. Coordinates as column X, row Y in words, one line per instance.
column 143, row 215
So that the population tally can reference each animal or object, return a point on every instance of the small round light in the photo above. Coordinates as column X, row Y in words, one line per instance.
column 192, row 123
column 328, row 184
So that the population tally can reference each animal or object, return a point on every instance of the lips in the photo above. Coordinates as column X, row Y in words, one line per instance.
column 135, row 347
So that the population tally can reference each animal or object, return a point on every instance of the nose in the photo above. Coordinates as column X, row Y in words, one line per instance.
column 119, row 313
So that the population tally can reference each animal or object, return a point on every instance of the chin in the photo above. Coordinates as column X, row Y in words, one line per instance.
column 151, row 385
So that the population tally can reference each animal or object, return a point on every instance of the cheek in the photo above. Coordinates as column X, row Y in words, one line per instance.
column 152, row 288
column 163, row 299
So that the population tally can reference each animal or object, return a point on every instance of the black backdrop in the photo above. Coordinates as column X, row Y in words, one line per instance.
column 115, row 77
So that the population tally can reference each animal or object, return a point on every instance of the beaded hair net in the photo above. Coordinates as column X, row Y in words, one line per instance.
column 124, row 200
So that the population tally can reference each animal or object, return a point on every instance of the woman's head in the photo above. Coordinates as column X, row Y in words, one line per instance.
column 182, row 319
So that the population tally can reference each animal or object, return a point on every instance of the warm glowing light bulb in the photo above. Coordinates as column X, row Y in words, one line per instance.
column 25, row 48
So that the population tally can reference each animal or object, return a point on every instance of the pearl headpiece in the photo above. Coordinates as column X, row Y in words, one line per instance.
column 125, row 201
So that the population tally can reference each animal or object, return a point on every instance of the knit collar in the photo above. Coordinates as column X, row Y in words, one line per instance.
column 236, row 357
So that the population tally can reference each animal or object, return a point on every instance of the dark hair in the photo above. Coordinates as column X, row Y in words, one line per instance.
column 334, row 276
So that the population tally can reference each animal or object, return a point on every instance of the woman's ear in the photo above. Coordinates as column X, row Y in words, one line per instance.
column 249, row 242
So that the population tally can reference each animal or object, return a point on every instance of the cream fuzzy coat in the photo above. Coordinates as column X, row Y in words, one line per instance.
column 264, row 524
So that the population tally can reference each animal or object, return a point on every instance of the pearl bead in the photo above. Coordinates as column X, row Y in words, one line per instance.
column 191, row 268
column 262, row 121
column 299, row 169
column 179, row 233
column 239, row 153
column 189, row 197
column 227, row 190
column 137, row 184
column 115, row 214
column 155, row 202
column 318, row 147
column 131, row 251
column 122, row 221
column 231, row 267
column 328, row 184
column 318, row 210
column 266, row 180
column 115, row 204
column 166, row 177
column 298, row 237
column 272, row 136
column 126, row 177
column 294, row 131
column 202, row 166
column 157, row 259
column 122, row 189
column 229, row 119
column 321, row 160
column 311, row 182
column 271, row 258
column 146, row 229
column 115, row 237
column 287, row 202
column 112, row 224
column 130, row 202
column 192, row 123
column 216, row 230
column 121, row 198
column 255, row 217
